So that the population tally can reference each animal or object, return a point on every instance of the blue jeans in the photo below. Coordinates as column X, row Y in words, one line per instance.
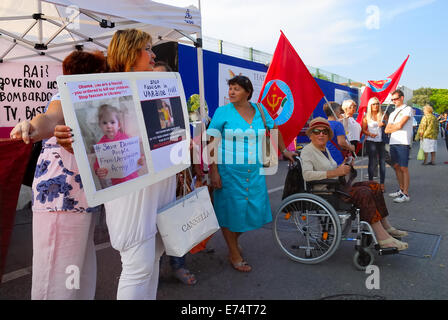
column 376, row 150
column 177, row 263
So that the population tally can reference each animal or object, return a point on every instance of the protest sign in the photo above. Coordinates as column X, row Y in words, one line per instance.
column 129, row 130
column 120, row 158
column 25, row 89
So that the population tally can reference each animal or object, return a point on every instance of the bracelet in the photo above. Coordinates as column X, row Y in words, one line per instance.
column 284, row 150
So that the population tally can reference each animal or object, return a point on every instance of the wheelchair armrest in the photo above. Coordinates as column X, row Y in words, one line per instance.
column 345, row 194
column 329, row 182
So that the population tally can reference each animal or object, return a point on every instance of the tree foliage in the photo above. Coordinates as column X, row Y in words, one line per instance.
column 422, row 96
column 437, row 98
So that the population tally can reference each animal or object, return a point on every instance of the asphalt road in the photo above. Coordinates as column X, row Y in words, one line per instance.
column 274, row 276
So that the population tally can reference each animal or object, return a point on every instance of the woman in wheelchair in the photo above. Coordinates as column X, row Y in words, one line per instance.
column 317, row 164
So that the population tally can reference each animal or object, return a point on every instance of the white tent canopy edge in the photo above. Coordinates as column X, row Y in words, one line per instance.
column 51, row 29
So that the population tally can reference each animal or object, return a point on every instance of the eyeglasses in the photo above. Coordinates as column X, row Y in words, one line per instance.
column 375, row 104
column 319, row 131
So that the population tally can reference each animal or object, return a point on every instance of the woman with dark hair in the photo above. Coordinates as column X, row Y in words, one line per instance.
column 63, row 224
column 241, row 199
column 339, row 142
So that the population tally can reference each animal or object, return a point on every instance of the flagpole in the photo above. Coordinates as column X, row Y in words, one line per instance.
column 334, row 115
column 328, row 103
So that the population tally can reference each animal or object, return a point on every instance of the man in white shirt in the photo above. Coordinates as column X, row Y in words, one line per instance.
column 400, row 128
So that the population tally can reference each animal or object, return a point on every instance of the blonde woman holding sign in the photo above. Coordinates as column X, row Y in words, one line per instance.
column 131, row 219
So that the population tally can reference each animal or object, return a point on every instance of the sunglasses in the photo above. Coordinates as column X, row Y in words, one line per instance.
column 395, row 99
column 319, row 131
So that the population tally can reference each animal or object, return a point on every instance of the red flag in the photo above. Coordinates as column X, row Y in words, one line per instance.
column 290, row 93
column 14, row 156
column 379, row 89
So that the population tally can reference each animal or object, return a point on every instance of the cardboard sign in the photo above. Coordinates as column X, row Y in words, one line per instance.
column 120, row 158
column 25, row 89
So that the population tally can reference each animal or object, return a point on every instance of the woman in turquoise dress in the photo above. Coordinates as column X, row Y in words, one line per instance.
column 241, row 199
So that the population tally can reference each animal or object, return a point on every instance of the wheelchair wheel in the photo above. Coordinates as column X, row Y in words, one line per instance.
column 307, row 228
column 362, row 259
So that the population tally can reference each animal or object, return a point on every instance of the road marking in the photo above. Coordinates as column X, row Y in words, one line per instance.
column 27, row 271
column 275, row 189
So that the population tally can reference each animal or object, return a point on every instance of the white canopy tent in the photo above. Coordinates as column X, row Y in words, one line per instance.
column 51, row 29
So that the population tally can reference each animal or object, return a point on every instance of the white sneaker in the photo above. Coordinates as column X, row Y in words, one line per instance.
column 402, row 198
column 396, row 194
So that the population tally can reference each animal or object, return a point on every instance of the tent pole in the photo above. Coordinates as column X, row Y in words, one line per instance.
column 201, row 87
column 39, row 26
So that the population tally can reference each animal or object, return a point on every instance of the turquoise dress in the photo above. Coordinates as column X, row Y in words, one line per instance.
column 243, row 202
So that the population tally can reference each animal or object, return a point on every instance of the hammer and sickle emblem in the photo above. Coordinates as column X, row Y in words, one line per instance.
column 274, row 101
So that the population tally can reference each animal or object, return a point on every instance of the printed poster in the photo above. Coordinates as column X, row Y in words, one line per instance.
column 129, row 130
column 227, row 72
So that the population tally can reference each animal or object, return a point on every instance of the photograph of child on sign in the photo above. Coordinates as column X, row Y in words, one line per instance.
column 166, row 114
column 164, row 121
column 112, row 140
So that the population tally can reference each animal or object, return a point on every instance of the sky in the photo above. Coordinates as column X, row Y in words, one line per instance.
column 358, row 39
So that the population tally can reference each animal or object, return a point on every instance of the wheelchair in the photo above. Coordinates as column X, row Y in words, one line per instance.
column 309, row 225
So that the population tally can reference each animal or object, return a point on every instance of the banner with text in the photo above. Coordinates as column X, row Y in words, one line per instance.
column 25, row 89
column 227, row 72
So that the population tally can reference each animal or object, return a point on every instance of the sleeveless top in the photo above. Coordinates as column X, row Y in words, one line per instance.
column 372, row 127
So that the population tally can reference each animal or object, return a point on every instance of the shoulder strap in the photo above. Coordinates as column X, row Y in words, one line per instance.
column 260, row 108
column 336, row 145
column 399, row 113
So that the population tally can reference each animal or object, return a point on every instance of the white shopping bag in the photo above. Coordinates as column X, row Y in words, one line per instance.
column 186, row 222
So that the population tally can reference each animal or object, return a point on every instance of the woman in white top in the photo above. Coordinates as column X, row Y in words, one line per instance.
column 131, row 219
column 352, row 128
column 371, row 127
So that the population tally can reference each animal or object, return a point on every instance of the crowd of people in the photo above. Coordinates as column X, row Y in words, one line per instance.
column 63, row 223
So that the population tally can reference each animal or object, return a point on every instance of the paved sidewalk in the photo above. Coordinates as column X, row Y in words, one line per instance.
column 276, row 277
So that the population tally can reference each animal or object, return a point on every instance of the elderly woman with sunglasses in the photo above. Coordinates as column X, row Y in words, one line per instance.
column 317, row 164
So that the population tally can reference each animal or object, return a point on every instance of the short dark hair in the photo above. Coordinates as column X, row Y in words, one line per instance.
column 83, row 62
column 334, row 105
column 399, row 92
column 243, row 82
column 161, row 63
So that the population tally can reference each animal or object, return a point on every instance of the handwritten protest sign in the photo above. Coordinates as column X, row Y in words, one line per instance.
column 25, row 90
column 119, row 157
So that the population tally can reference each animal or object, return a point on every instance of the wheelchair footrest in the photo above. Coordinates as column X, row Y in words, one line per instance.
column 386, row 251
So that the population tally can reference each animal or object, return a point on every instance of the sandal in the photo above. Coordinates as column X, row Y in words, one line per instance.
column 185, row 276
column 382, row 187
column 241, row 266
column 393, row 243
column 396, row 233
